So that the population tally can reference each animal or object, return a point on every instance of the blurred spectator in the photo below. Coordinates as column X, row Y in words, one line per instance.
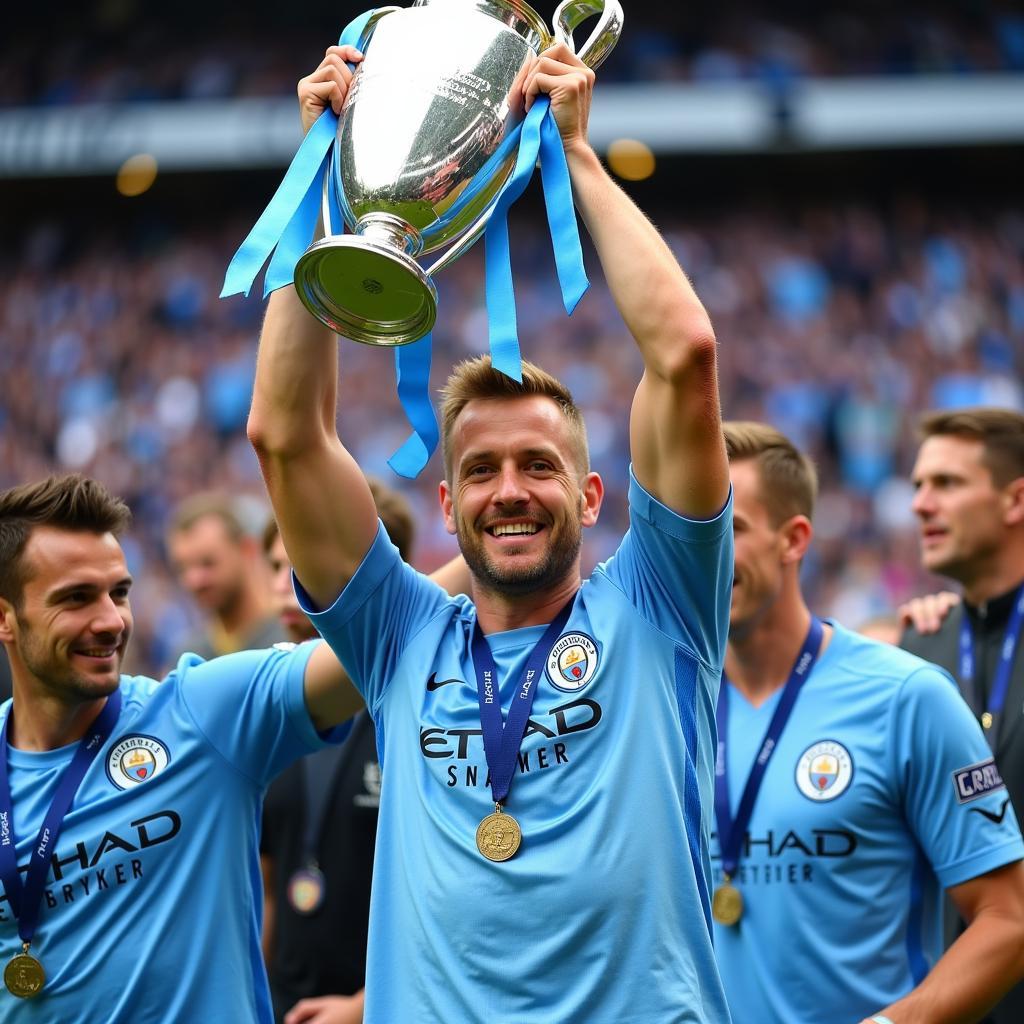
column 218, row 563
column 131, row 52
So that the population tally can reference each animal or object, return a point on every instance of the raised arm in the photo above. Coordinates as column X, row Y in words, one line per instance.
column 675, row 426
column 321, row 500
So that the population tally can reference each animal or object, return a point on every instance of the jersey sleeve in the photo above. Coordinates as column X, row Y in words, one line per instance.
column 385, row 604
column 954, row 798
column 677, row 572
column 251, row 707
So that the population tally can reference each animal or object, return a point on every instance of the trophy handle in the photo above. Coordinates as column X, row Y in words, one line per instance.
column 568, row 16
column 371, row 24
column 571, row 13
column 461, row 244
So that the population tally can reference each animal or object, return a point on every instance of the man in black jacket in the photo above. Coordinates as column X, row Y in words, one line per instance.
column 969, row 500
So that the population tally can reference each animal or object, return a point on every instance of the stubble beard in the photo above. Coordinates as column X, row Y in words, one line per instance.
column 559, row 562
column 59, row 677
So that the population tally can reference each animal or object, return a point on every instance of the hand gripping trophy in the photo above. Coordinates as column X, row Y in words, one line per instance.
column 426, row 141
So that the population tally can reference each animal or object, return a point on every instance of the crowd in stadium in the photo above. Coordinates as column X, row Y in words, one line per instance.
column 125, row 54
column 716, row 795
column 837, row 324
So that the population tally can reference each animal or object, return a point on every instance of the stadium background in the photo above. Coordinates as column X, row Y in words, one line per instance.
column 842, row 183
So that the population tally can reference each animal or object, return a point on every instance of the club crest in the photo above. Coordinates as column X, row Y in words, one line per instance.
column 824, row 771
column 136, row 759
column 572, row 662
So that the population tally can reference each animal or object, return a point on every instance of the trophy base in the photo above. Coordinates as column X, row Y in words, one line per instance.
column 367, row 291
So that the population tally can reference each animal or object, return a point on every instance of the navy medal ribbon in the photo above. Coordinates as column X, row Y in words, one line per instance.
column 502, row 741
column 997, row 698
column 732, row 830
column 25, row 897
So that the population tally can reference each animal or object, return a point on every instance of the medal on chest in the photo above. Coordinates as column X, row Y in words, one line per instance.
column 24, row 976
column 499, row 836
column 727, row 901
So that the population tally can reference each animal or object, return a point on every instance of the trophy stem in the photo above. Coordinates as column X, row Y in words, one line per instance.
column 389, row 230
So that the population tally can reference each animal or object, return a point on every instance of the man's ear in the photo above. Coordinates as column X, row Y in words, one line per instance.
column 796, row 536
column 444, row 494
column 591, row 496
column 7, row 621
column 1013, row 502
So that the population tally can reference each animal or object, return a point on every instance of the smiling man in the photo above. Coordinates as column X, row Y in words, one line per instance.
column 969, row 501
column 546, row 747
column 129, row 809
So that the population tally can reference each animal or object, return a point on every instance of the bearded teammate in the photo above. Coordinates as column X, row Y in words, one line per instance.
column 546, row 748
column 853, row 786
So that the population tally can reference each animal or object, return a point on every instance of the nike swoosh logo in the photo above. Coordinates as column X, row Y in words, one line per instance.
column 996, row 818
column 433, row 684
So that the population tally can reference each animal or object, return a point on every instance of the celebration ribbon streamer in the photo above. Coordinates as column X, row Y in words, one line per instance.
column 285, row 230
column 299, row 192
column 540, row 138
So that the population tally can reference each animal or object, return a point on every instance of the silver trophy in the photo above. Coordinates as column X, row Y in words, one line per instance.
column 424, row 146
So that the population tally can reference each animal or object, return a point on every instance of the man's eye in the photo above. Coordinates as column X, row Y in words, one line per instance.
column 539, row 466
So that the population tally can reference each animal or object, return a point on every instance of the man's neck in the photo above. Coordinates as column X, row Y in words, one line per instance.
column 497, row 612
column 998, row 577
column 759, row 658
column 40, row 724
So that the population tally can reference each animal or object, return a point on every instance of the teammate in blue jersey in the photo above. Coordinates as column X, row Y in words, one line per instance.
column 554, row 867
column 877, row 793
column 129, row 809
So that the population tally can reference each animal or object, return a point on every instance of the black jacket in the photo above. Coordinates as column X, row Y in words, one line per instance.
column 988, row 624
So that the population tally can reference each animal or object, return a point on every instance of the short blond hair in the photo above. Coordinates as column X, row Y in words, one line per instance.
column 789, row 481
column 1000, row 431
column 477, row 379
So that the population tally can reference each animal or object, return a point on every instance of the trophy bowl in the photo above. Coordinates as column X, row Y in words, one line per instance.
column 426, row 140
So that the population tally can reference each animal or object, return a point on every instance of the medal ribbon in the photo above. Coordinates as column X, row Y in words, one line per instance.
column 997, row 698
column 25, row 898
column 732, row 830
column 502, row 742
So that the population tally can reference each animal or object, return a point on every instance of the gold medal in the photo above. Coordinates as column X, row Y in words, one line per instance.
column 986, row 720
column 727, row 903
column 498, row 836
column 24, row 975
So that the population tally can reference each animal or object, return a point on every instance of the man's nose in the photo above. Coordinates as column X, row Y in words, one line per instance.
column 510, row 489
column 108, row 617
column 924, row 501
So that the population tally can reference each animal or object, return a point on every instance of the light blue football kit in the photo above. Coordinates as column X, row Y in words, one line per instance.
column 151, row 911
column 602, row 917
column 880, row 793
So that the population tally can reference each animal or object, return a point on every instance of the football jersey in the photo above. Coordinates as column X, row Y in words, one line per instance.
column 602, row 917
column 880, row 793
column 151, row 911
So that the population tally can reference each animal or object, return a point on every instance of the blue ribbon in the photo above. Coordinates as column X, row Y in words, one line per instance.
column 289, row 221
column 25, row 898
column 502, row 741
column 285, row 230
column 412, row 370
column 732, row 830
column 539, row 138
column 997, row 698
